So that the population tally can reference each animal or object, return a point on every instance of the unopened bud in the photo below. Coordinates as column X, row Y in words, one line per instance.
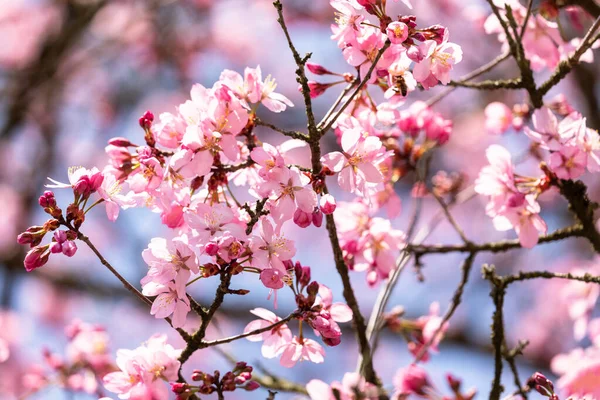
column 328, row 204
column 318, row 69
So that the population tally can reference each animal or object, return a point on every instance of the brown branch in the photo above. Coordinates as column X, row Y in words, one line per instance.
column 120, row 277
column 292, row 134
column 510, row 356
column 341, row 267
column 579, row 203
column 195, row 341
column 465, row 78
column 300, row 63
column 363, row 82
column 490, row 84
column 497, row 294
column 335, row 104
column 251, row 333
column 494, row 247
column 564, row 67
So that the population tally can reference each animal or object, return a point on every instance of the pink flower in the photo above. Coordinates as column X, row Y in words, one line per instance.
column 62, row 244
column 497, row 179
column 271, row 249
column 195, row 157
column 288, row 191
column 357, row 164
column 401, row 80
column 113, row 200
column 143, row 369
column 498, row 118
column 411, row 380
column 578, row 372
column 171, row 299
column 525, row 219
column 348, row 22
column 378, row 249
column 363, row 51
column 328, row 204
column 301, row 349
column 347, row 389
column 89, row 345
column 397, row 32
column 166, row 258
column 252, row 89
column 339, row 312
column 438, row 62
column 169, row 131
column 568, row 163
column 271, row 161
column 214, row 221
column 275, row 339
column 551, row 134
column 36, row 257
column 83, row 181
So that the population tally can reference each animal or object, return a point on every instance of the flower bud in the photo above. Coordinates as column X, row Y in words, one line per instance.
column 69, row 248
column 120, row 142
column 179, row 388
column 397, row 32
column 317, row 218
column 252, row 385
column 327, row 204
column 318, row 69
column 47, row 199
column 302, row 219
column 211, row 249
column 316, row 88
column 272, row 278
column 146, row 120
column 36, row 257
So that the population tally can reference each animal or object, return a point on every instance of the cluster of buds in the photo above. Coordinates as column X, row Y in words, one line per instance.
column 542, row 385
column 239, row 378
column 316, row 311
column 62, row 241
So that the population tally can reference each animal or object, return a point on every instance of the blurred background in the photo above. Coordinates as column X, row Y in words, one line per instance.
column 74, row 73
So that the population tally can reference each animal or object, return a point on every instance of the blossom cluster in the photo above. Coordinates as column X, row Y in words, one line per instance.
column 572, row 149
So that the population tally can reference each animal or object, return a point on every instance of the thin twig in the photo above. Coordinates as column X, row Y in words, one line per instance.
column 564, row 67
column 471, row 75
column 246, row 334
column 292, row 134
column 494, row 247
column 450, row 218
column 335, row 104
column 362, row 83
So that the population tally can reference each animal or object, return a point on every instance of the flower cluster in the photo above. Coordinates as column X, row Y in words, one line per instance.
column 542, row 41
column 315, row 308
column 393, row 47
column 239, row 378
column 573, row 148
column 143, row 371
column 369, row 243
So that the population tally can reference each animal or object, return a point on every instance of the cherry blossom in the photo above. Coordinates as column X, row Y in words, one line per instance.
column 273, row 340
